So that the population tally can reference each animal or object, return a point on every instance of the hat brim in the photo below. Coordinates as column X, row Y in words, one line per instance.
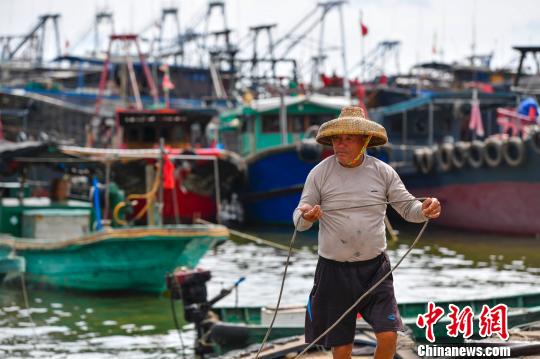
column 352, row 126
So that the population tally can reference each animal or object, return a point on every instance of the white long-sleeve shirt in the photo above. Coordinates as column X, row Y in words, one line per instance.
column 355, row 234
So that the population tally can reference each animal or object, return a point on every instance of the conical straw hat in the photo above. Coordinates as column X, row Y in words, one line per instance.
column 352, row 121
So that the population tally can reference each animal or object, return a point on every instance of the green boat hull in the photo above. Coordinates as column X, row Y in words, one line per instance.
column 132, row 259
column 522, row 309
column 11, row 265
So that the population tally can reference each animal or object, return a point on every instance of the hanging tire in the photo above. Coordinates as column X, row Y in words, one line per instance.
column 444, row 157
column 424, row 159
column 476, row 154
column 534, row 139
column 460, row 153
column 493, row 152
column 514, row 151
column 308, row 150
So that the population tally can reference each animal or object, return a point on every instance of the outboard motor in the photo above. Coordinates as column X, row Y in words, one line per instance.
column 190, row 287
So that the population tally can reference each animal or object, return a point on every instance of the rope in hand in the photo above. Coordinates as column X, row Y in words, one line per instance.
column 362, row 296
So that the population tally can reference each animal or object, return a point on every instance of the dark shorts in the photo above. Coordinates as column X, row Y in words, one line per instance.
column 337, row 286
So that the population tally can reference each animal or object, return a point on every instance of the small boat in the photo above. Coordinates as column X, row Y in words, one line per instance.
column 363, row 347
column 67, row 243
column 119, row 259
column 225, row 329
column 248, row 325
column 523, row 341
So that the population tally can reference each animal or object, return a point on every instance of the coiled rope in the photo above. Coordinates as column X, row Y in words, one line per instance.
column 149, row 197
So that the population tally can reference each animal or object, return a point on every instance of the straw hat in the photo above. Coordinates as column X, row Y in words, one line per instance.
column 352, row 121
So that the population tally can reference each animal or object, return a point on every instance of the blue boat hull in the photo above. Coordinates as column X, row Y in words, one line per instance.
column 276, row 177
column 275, row 180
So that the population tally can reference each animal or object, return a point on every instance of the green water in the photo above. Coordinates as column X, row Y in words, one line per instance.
column 445, row 265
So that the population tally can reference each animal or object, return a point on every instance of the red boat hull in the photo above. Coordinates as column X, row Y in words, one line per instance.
column 503, row 207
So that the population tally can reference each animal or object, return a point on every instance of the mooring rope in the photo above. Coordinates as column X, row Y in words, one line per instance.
column 28, row 312
column 362, row 296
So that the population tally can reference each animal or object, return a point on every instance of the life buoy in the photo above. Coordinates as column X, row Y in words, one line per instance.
column 444, row 157
column 493, row 152
column 476, row 154
column 309, row 150
column 460, row 153
column 514, row 151
column 423, row 158
column 534, row 139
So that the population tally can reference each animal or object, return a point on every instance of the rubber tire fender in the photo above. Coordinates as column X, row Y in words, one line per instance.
column 512, row 158
column 493, row 152
column 444, row 157
column 423, row 159
column 460, row 153
column 534, row 139
column 476, row 154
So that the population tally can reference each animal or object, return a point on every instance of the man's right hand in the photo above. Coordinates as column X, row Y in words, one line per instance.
column 309, row 213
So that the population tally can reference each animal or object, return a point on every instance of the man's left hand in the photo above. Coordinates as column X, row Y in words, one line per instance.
column 431, row 208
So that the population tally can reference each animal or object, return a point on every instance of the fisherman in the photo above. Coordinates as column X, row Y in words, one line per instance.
column 352, row 241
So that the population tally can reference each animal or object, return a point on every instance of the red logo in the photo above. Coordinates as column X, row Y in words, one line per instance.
column 460, row 321
column 429, row 319
column 491, row 321
column 494, row 321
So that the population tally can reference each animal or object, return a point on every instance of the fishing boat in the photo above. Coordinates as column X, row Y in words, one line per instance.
column 476, row 149
column 277, row 134
column 231, row 328
column 250, row 324
column 485, row 179
column 75, row 244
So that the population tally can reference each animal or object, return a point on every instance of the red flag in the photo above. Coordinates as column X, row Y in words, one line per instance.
column 167, row 83
column 168, row 173
column 475, row 123
column 364, row 29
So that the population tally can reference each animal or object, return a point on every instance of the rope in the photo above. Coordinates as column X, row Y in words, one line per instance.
column 361, row 297
column 355, row 304
column 254, row 239
column 148, row 196
column 176, row 324
column 281, row 289
column 27, row 305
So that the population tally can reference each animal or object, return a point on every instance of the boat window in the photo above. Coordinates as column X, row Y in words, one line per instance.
column 133, row 134
column 177, row 133
column 296, row 124
column 396, row 124
column 165, row 133
column 247, row 123
column 270, row 123
column 421, row 126
column 149, row 134
column 319, row 120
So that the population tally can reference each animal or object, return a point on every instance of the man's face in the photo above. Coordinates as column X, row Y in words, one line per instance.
column 347, row 147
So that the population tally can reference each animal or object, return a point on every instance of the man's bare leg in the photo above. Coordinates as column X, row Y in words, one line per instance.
column 386, row 345
column 342, row 352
